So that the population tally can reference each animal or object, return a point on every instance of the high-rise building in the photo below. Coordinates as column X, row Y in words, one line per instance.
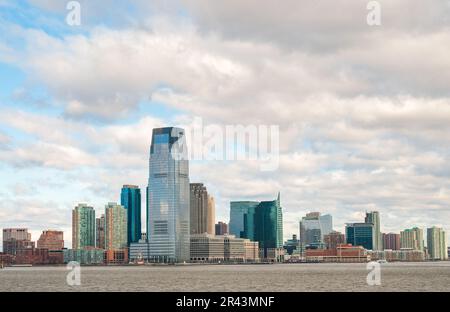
column 412, row 239
column 221, row 228
column 374, row 218
column 116, row 229
column 391, row 241
column 262, row 222
column 360, row 234
column 334, row 239
column 437, row 244
column 313, row 228
column 168, row 215
column 238, row 209
column 198, row 206
column 211, row 219
column 100, row 232
column 83, row 227
column 130, row 198
column 51, row 240
column 16, row 239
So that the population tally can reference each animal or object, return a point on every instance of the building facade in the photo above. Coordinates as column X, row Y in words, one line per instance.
column 202, row 210
column 238, row 209
column 437, row 244
column 168, row 215
column 116, row 229
column 130, row 198
column 391, row 241
column 100, row 232
column 374, row 218
column 51, row 240
column 313, row 228
column 83, row 227
column 221, row 228
column 360, row 234
column 334, row 239
column 412, row 239
column 15, row 239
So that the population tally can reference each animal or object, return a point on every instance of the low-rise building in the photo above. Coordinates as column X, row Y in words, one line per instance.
column 222, row 248
column 404, row 255
column 343, row 253
column 88, row 256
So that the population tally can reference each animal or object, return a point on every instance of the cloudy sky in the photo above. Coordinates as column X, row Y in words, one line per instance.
column 363, row 111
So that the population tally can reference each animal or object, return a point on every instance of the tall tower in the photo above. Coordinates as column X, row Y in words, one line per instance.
column 374, row 218
column 211, row 216
column 130, row 198
column 168, row 212
column 115, row 227
column 83, row 227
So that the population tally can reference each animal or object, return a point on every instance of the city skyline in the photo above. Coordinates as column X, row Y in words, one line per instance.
column 363, row 116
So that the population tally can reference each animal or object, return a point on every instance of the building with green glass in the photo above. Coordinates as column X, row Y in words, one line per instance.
column 83, row 227
column 116, row 229
column 260, row 222
column 130, row 199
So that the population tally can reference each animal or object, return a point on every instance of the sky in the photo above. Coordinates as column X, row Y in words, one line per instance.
column 363, row 111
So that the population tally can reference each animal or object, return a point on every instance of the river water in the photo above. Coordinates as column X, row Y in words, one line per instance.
column 235, row 278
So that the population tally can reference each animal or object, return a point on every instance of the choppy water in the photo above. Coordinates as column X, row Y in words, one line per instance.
column 280, row 277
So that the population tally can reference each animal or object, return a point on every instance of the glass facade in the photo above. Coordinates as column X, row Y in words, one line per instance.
column 313, row 228
column 83, row 227
column 360, row 234
column 261, row 222
column 238, row 210
column 168, row 212
column 130, row 198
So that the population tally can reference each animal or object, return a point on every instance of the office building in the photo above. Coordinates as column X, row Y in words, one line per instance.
column 83, row 227
column 262, row 223
column 15, row 239
column 391, row 241
column 130, row 198
column 168, row 216
column 313, row 228
column 292, row 246
column 221, row 228
column 51, row 240
column 202, row 210
column 238, row 210
column 360, row 234
column 374, row 218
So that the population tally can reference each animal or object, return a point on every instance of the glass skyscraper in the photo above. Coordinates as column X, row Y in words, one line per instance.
column 238, row 210
column 261, row 222
column 360, row 234
column 313, row 228
column 130, row 198
column 83, row 227
column 168, row 197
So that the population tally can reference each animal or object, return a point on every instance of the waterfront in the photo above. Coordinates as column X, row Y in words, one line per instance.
column 424, row 276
